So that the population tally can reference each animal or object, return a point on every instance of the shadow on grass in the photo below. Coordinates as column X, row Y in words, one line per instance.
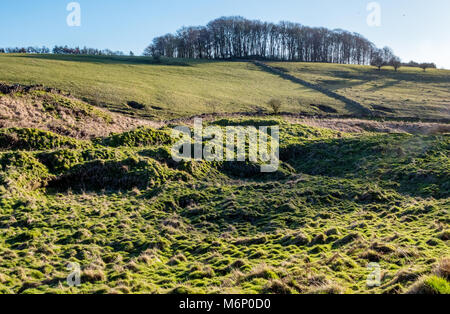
column 371, row 75
column 380, row 158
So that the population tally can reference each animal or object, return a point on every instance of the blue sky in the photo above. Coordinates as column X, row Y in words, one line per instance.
column 415, row 29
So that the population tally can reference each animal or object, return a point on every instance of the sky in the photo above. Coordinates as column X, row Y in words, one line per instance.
column 416, row 29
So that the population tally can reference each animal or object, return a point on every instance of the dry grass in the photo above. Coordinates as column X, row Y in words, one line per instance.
column 93, row 275
column 443, row 268
column 25, row 112
column 327, row 288
column 347, row 125
column 29, row 112
column 360, row 126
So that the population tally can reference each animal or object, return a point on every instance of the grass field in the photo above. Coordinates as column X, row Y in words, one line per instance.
column 84, row 185
column 137, row 222
column 182, row 88
column 410, row 92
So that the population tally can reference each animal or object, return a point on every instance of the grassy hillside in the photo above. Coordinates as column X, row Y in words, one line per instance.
column 179, row 88
column 410, row 92
column 169, row 90
column 79, row 183
column 138, row 222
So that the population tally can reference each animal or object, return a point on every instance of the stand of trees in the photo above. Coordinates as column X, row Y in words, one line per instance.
column 236, row 37
column 63, row 50
column 384, row 57
column 423, row 66
column 25, row 50
column 85, row 51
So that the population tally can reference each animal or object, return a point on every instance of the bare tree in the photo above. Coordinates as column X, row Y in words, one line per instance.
column 377, row 59
column 425, row 66
column 396, row 63
column 236, row 37
column 275, row 105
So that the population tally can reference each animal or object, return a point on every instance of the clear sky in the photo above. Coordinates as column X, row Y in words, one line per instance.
column 415, row 29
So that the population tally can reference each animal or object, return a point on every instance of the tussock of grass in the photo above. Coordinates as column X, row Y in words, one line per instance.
column 138, row 222
column 33, row 139
column 430, row 285
column 138, row 138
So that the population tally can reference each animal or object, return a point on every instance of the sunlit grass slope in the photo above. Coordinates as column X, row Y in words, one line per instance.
column 410, row 92
column 170, row 89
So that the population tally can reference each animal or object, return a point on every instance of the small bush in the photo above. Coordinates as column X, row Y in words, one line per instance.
column 275, row 105
column 135, row 105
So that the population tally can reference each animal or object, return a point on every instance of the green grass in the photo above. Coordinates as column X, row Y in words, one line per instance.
column 172, row 89
column 410, row 92
column 137, row 222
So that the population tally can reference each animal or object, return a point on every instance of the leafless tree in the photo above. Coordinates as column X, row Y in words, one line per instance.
column 377, row 59
column 425, row 66
column 275, row 105
column 396, row 63
column 236, row 37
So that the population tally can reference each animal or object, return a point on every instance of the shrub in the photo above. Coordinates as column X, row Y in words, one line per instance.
column 275, row 105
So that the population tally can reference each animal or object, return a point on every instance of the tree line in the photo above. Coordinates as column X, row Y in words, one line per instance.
column 65, row 50
column 25, row 50
column 386, row 57
column 237, row 37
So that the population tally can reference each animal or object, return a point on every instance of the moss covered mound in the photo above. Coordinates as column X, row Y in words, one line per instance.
column 33, row 139
column 138, row 138
column 137, row 221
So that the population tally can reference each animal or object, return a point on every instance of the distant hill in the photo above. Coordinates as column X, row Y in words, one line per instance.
column 175, row 88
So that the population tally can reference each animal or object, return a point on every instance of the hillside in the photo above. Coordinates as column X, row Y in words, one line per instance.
column 181, row 88
column 96, row 185
column 51, row 110
column 176, row 88
column 410, row 92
